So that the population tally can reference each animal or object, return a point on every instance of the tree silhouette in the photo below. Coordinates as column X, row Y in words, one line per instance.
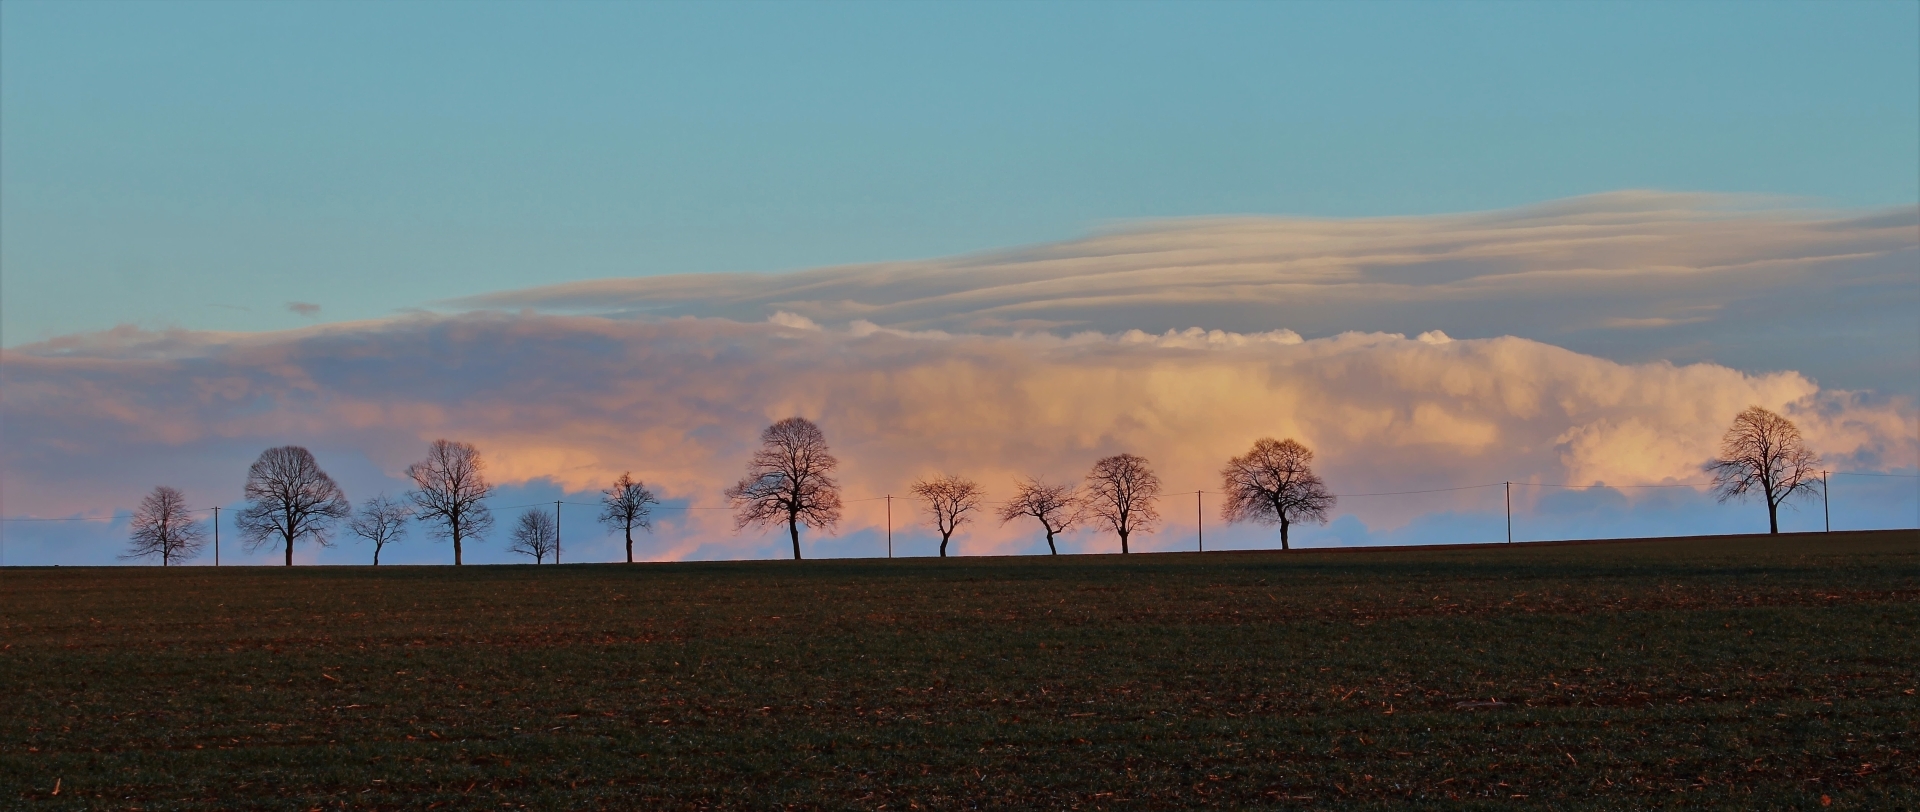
column 163, row 526
column 789, row 479
column 289, row 499
column 449, row 487
column 1274, row 483
column 627, row 505
column 534, row 535
column 1121, row 491
column 948, row 499
column 381, row 520
column 1763, row 452
column 1057, row 507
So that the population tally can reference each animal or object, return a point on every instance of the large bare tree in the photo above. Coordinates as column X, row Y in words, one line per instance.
column 535, row 535
column 289, row 499
column 449, row 490
column 948, row 500
column 1057, row 507
column 1121, row 492
column 790, row 479
column 381, row 520
column 1274, row 483
column 1763, row 453
column 163, row 526
column 627, row 505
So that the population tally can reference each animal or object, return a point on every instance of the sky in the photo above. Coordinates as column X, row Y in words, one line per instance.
column 1446, row 244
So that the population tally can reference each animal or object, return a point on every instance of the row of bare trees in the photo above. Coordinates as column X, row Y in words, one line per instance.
column 790, row 481
column 291, row 500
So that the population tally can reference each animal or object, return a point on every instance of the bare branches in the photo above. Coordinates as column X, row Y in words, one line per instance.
column 534, row 535
column 627, row 505
column 289, row 499
column 948, row 499
column 1121, row 491
column 1057, row 507
column 1274, row 483
column 381, row 520
column 789, row 479
column 449, row 490
column 1762, row 451
column 163, row 526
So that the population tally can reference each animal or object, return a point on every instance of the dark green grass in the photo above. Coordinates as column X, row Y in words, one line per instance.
column 1738, row 673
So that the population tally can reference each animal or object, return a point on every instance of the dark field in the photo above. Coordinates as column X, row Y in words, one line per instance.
column 1736, row 673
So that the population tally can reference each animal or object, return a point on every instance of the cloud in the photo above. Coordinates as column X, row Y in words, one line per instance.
column 1630, row 276
column 95, row 420
column 307, row 309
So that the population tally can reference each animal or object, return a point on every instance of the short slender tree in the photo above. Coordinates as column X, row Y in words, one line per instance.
column 1121, row 493
column 381, row 520
column 1056, row 507
column 534, row 535
column 1763, row 453
column 1274, row 483
column 289, row 499
column 948, row 500
column 450, row 490
column 790, row 479
column 163, row 526
column 627, row 505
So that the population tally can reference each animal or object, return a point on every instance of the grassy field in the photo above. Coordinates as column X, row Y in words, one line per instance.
column 1736, row 673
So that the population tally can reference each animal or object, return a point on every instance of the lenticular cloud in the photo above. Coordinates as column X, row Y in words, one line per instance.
column 93, row 421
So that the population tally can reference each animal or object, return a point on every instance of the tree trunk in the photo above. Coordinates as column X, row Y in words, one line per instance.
column 943, row 543
column 376, row 555
column 1773, row 510
column 456, row 545
column 1123, row 542
column 289, row 551
column 1050, row 548
column 1283, row 533
column 793, row 529
column 629, row 544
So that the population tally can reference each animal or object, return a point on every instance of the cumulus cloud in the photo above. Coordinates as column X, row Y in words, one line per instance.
column 1630, row 276
column 95, row 420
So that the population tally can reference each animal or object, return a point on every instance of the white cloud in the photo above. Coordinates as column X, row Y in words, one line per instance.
column 94, row 421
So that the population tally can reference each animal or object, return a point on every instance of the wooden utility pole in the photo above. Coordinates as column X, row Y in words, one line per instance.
column 556, row 531
column 1826, row 508
column 1509, row 512
column 1199, row 530
column 889, row 525
column 216, row 537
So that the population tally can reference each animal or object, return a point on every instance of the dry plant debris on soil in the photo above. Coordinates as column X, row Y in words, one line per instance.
column 1734, row 673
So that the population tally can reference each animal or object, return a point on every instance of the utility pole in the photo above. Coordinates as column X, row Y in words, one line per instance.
column 1826, row 510
column 1199, row 529
column 1509, row 512
column 216, row 536
column 556, row 531
column 889, row 525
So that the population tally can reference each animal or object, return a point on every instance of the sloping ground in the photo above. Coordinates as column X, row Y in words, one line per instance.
column 1729, row 672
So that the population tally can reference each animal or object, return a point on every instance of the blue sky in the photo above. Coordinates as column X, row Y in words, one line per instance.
column 203, row 165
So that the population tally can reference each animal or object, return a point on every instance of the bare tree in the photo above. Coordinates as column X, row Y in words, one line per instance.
column 948, row 499
column 449, row 489
column 534, row 535
column 163, row 526
column 289, row 499
column 627, row 505
column 789, row 479
column 381, row 520
column 1121, row 491
column 1763, row 451
column 1056, row 506
column 1274, row 483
